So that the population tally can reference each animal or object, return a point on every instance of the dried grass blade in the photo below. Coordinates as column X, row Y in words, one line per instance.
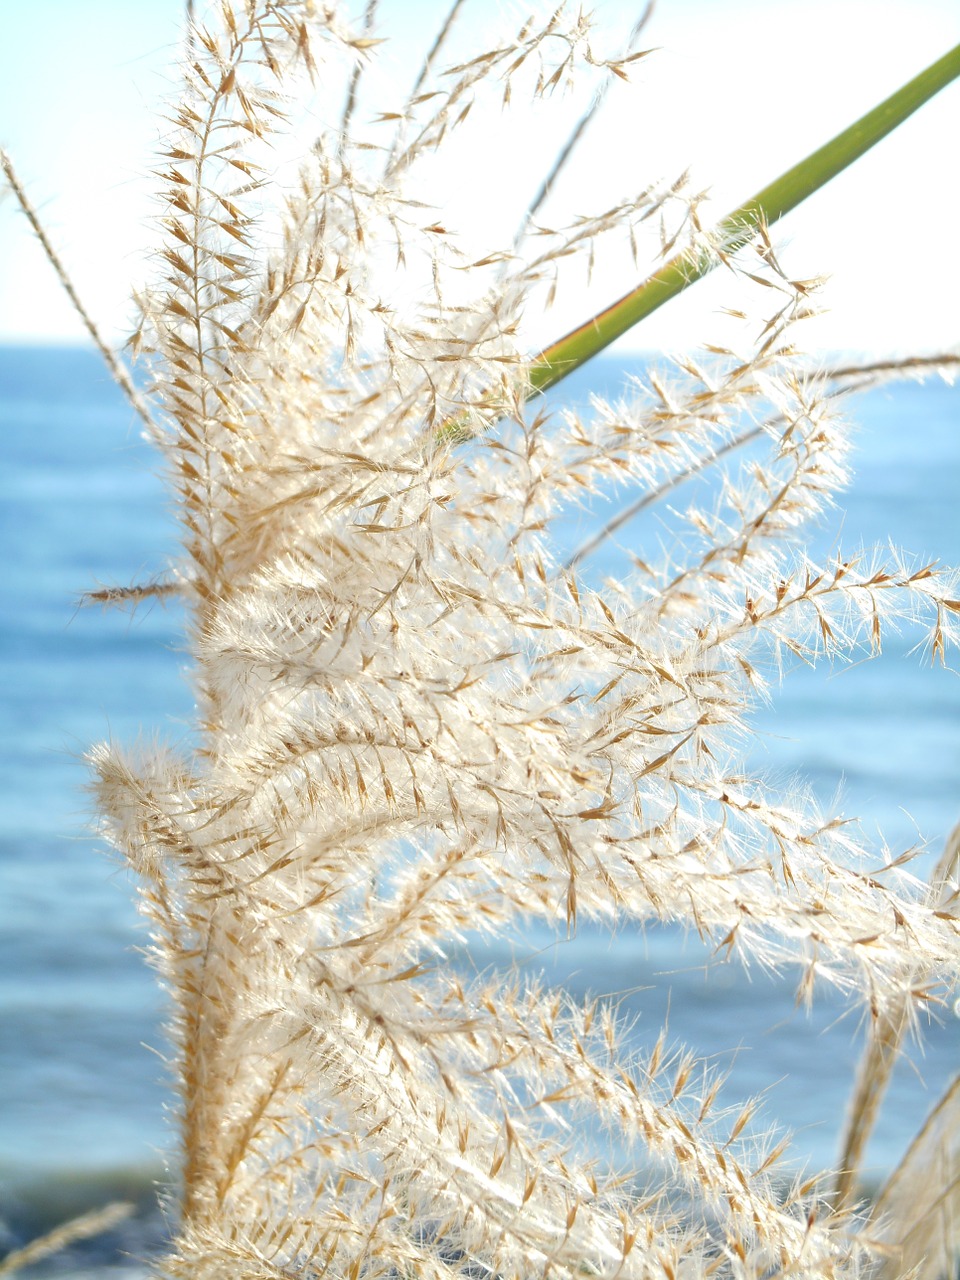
column 882, row 1052
column 918, row 1211
column 82, row 1228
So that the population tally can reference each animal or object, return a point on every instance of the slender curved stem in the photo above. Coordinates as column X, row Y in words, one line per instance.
column 772, row 202
column 121, row 374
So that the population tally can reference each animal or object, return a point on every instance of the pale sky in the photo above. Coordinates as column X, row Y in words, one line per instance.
column 738, row 91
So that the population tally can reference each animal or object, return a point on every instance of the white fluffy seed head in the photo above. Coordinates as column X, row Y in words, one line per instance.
column 417, row 726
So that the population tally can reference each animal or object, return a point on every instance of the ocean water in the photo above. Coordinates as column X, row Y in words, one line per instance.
column 83, row 1093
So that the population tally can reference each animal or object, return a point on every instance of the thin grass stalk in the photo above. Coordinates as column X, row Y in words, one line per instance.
column 622, row 517
column 580, row 128
column 791, row 188
column 426, row 67
column 768, row 205
column 347, row 117
column 434, row 51
column 118, row 369
column 875, row 370
column 916, row 1217
column 67, row 1233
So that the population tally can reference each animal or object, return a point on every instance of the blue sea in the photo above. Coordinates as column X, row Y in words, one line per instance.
column 83, row 1093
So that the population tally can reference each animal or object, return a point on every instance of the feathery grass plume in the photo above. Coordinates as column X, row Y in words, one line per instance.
column 415, row 726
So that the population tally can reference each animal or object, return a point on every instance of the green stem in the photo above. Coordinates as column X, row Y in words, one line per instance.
column 782, row 195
